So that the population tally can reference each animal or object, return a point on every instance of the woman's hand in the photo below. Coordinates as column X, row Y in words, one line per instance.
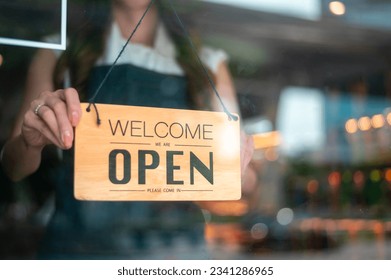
column 249, row 177
column 246, row 151
column 51, row 119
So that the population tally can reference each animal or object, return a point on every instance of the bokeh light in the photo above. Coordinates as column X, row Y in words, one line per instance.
column 375, row 175
column 312, row 186
column 378, row 121
column 387, row 175
column 351, row 126
column 259, row 231
column 337, row 8
column 334, row 179
column 285, row 216
column 364, row 123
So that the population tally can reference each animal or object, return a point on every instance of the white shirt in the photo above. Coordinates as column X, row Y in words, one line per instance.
column 159, row 58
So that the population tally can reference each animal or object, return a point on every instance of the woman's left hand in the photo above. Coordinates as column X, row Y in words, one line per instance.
column 246, row 151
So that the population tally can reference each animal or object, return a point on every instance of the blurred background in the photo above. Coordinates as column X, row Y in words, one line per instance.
column 314, row 84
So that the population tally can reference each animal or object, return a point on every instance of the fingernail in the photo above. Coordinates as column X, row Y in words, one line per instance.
column 75, row 118
column 66, row 138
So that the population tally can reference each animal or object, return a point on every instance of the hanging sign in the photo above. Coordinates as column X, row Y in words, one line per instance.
column 155, row 154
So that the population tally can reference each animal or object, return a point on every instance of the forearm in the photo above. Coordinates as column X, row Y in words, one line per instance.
column 18, row 159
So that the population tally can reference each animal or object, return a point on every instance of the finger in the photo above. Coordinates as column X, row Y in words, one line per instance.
column 33, row 124
column 250, row 181
column 247, row 150
column 54, row 113
column 71, row 98
column 47, row 116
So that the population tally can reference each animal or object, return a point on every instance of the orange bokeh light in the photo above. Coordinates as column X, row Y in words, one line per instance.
column 364, row 123
column 378, row 121
column 312, row 186
column 387, row 175
column 334, row 179
column 337, row 8
column 351, row 126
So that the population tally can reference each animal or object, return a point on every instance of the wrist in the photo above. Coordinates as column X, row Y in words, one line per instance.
column 19, row 159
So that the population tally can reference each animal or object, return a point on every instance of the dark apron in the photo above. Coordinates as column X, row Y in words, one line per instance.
column 125, row 230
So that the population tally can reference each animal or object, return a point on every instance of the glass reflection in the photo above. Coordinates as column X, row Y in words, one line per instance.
column 314, row 91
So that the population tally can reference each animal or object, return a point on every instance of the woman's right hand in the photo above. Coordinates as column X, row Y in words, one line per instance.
column 51, row 119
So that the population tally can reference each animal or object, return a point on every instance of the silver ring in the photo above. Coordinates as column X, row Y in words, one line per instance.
column 36, row 110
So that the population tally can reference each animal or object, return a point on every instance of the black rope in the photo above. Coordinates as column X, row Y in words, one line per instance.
column 92, row 99
column 98, row 121
column 230, row 115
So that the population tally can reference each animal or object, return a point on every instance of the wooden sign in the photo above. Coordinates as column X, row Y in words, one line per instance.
column 154, row 154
